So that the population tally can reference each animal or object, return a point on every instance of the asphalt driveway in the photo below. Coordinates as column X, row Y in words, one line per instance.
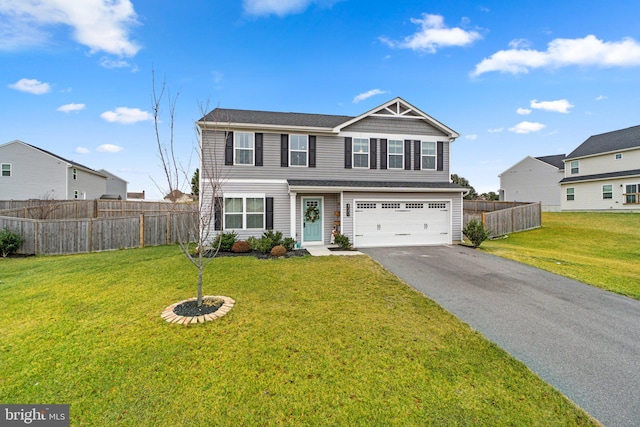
column 582, row 340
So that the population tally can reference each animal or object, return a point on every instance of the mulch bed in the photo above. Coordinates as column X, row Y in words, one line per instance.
column 260, row 255
column 191, row 309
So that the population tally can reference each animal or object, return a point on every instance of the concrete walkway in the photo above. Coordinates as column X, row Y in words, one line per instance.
column 324, row 251
column 582, row 340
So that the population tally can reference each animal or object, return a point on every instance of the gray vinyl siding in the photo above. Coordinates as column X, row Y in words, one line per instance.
column 34, row 174
column 389, row 126
column 532, row 180
column 329, row 162
column 91, row 184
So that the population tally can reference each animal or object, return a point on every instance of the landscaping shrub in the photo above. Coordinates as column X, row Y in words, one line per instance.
column 342, row 241
column 225, row 240
column 475, row 231
column 9, row 242
column 289, row 243
column 278, row 250
column 241, row 246
column 268, row 241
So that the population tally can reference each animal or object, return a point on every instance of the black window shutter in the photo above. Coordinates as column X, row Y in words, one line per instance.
column 228, row 149
column 284, row 150
column 217, row 213
column 383, row 153
column 259, row 149
column 373, row 153
column 417, row 164
column 347, row 152
column 407, row 154
column 312, row 151
column 440, row 157
column 269, row 213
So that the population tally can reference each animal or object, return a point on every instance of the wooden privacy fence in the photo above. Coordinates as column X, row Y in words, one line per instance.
column 501, row 218
column 70, row 236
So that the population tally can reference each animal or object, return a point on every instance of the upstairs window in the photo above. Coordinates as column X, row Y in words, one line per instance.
column 395, row 153
column 575, row 167
column 360, row 153
column 6, row 169
column 74, row 173
column 298, row 150
column 571, row 193
column 428, row 155
column 607, row 191
column 618, row 156
column 243, row 148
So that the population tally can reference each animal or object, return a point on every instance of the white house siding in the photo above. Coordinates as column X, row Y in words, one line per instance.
column 605, row 163
column 34, row 174
column 588, row 196
column 532, row 180
column 89, row 185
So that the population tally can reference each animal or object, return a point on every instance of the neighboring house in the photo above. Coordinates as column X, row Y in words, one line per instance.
column 178, row 196
column 603, row 173
column 29, row 172
column 534, row 179
column 135, row 195
column 381, row 178
column 116, row 186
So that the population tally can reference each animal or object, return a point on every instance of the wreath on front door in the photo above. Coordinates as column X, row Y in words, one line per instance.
column 312, row 214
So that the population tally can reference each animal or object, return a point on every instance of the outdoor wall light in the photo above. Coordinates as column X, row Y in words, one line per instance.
column 348, row 209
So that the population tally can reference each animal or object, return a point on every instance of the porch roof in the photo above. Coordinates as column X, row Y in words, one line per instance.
column 317, row 185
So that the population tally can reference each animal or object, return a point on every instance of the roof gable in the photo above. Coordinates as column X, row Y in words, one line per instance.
column 617, row 140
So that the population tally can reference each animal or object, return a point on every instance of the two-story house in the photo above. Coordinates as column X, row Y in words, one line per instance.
column 603, row 173
column 381, row 178
column 534, row 179
column 29, row 172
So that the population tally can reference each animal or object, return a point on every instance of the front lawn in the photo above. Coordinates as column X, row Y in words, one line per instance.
column 601, row 249
column 310, row 341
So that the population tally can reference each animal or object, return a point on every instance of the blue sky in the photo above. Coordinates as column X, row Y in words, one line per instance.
column 513, row 78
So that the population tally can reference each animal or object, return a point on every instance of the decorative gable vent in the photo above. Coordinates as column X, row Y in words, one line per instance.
column 397, row 109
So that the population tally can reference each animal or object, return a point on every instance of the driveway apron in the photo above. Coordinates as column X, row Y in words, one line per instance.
column 580, row 339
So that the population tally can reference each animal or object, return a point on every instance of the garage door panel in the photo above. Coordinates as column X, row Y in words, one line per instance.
column 401, row 223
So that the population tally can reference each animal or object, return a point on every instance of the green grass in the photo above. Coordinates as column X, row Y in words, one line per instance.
column 601, row 249
column 311, row 341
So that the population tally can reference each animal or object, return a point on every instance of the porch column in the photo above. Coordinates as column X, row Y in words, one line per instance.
column 292, row 213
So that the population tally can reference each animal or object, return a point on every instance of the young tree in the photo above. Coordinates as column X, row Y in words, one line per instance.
column 195, row 183
column 195, row 230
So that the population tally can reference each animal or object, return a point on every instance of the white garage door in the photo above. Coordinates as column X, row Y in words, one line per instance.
column 392, row 223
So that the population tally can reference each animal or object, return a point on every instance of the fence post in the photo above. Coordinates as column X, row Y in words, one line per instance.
column 168, row 228
column 141, row 231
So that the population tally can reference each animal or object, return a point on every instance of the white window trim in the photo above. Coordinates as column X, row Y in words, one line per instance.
column 2, row 170
column 353, row 154
column 253, row 149
column 573, row 194
column 244, row 197
column 577, row 162
column 396, row 154
column 74, row 173
column 306, row 152
column 617, row 156
column 627, row 194
column 435, row 156
column 607, row 192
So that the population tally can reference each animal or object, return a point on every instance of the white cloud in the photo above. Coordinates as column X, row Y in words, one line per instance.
column 559, row 106
column 527, row 127
column 82, row 150
column 109, row 148
column 33, row 86
column 71, row 107
column 102, row 25
column 281, row 7
column 126, row 115
column 523, row 111
column 519, row 44
column 588, row 51
column 471, row 137
column 601, row 98
column 496, row 130
column 110, row 64
column 367, row 95
column 433, row 34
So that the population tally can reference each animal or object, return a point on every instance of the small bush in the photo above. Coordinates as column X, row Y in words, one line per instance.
column 241, row 247
column 225, row 241
column 9, row 242
column 289, row 243
column 278, row 250
column 342, row 241
column 475, row 231
column 253, row 243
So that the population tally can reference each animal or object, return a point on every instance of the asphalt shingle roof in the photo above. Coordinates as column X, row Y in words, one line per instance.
column 619, row 174
column 611, row 141
column 556, row 160
column 224, row 115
